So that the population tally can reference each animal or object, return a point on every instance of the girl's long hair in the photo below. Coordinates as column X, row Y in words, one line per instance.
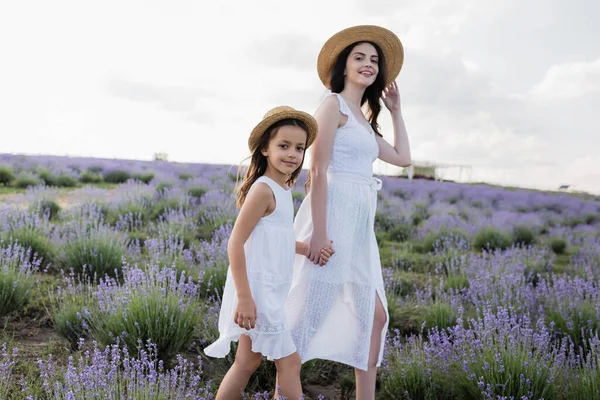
column 373, row 93
column 259, row 163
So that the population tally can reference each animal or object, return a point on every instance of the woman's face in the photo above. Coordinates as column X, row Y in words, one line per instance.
column 362, row 65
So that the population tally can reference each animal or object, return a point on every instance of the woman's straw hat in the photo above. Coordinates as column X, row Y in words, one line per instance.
column 280, row 113
column 387, row 41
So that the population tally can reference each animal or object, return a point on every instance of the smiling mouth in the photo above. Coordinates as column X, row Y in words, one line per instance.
column 291, row 163
column 366, row 73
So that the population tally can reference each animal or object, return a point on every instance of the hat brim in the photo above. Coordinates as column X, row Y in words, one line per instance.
column 388, row 42
column 286, row 113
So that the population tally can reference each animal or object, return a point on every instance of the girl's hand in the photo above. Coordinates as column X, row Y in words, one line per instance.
column 315, row 246
column 245, row 313
column 391, row 97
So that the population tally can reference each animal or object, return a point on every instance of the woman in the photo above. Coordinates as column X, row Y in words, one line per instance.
column 338, row 311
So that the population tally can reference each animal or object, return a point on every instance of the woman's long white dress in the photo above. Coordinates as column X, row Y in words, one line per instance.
column 331, row 308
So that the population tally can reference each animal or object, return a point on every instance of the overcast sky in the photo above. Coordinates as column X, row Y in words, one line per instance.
column 510, row 88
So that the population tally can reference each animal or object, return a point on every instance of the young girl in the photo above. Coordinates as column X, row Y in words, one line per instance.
column 359, row 66
column 261, row 256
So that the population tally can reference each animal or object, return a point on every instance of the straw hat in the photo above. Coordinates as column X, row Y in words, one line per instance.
column 387, row 41
column 280, row 113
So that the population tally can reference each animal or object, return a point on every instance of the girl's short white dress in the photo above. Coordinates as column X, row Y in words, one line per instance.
column 269, row 251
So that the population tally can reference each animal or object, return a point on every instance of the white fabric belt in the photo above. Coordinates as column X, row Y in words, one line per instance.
column 374, row 183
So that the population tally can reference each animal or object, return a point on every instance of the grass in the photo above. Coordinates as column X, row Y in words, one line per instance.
column 99, row 185
column 418, row 268
column 10, row 190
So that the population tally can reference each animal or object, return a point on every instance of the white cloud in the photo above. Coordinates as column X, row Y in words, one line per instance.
column 506, row 87
column 569, row 81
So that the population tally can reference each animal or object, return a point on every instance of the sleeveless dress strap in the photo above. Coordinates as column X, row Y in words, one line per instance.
column 268, row 182
column 274, row 186
column 344, row 109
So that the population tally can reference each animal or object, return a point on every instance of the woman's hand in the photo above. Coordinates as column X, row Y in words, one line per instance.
column 315, row 247
column 326, row 254
column 245, row 313
column 391, row 97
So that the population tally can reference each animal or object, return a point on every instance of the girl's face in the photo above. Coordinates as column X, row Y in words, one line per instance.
column 362, row 65
column 285, row 151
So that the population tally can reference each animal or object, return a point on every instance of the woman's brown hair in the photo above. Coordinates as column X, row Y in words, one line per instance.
column 372, row 94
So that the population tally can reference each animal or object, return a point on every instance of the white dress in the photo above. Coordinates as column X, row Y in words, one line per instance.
column 269, row 252
column 331, row 308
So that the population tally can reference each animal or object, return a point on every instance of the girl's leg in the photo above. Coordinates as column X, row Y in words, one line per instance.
column 288, row 377
column 236, row 379
column 366, row 380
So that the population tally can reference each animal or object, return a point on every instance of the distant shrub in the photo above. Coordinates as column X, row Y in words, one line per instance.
column 383, row 222
column 65, row 180
column 47, row 177
column 401, row 194
column 146, row 178
column 590, row 219
column 185, row 177
column 163, row 187
column 406, row 317
column 420, row 214
column 24, row 181
column 91, row 177
column 197, row 191
column 524, row 235
column 97, row 169
column 116, row 176
column 558, row 245
column 6, row 175
column 401, row 232
column 492, row 239
column 45, row 207
column 573, row 222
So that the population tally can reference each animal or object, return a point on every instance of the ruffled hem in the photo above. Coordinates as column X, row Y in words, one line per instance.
column 271, row 345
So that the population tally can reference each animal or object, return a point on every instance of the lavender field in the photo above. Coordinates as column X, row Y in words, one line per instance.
column 112, row 270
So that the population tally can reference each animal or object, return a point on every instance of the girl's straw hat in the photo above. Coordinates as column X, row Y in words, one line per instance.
column 387, row 41
column 280, row 113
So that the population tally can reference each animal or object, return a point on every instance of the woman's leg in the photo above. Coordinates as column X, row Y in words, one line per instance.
column 366, row 380
column 236, row 379
column 288, row 377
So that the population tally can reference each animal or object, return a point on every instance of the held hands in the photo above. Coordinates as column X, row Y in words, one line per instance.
column 320, row 251
column 391, row 97
column 245, row 313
